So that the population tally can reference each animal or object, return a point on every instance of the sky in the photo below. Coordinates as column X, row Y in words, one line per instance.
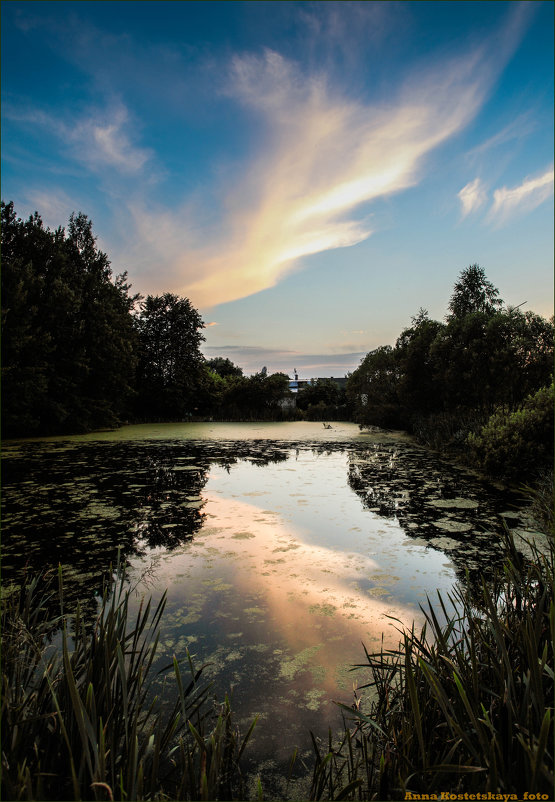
column 308, row 174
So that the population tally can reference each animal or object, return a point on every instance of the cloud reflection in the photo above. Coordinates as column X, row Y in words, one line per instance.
column 309, row 595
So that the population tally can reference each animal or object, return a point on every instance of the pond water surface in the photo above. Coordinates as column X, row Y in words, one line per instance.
column 283, row 548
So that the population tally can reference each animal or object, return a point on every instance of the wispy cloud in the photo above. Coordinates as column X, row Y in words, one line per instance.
column 99, row 139
column 106, row 143
column 517, row 129
column 472, row 196
column 324, row 158
column 521, row 199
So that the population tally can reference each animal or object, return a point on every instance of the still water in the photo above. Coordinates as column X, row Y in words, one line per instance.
column 283, row 548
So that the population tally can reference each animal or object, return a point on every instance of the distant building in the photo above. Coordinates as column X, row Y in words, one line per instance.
column 297, row 384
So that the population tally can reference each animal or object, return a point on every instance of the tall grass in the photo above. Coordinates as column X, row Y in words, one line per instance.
column 461, row 706
column 83, row 722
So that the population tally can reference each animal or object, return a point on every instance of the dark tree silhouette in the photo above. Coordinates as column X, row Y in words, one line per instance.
column 474, row 293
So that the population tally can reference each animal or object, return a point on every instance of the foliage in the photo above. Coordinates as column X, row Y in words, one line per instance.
column 170, row 366
column 67, row 333
column 86, row 724
column 419, row 388
column 443, row 381
column 373, row 389
column 473, row 293
column 323, row 391
column 518, row 444
column 255, row 397
column 322, row 400
column 224, row 367
column 465, row 704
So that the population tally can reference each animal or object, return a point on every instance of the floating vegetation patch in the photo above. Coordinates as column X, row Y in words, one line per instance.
column 291, row 667
column 323, row 609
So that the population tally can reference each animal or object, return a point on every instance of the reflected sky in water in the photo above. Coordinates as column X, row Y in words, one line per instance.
column 280, row 558
column 287, row 577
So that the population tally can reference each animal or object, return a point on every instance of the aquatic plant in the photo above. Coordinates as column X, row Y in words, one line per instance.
column 80, row 719
column 465, row 705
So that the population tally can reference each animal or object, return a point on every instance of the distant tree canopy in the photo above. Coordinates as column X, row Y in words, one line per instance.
column 80, row 352
column 68, row 338
column 443, row 381
column 256, row 397
column 224, row 367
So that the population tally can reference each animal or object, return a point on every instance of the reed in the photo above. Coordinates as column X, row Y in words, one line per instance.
column 80, row 719
column 461, row 706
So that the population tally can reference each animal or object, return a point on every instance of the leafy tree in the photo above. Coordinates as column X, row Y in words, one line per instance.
column 484, row 360
column 519, row 354
column 171, row 368
column 419, row 389
column 473, row 293
column 373, row 388
column 255, row 397
column 461, row 355
column 322, row 391
column 67, row 332
column 224, row 367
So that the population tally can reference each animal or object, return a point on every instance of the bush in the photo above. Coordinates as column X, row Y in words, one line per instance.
column 446, row 431
column 517, row 445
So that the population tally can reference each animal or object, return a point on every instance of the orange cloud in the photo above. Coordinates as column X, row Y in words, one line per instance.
column 324, row 158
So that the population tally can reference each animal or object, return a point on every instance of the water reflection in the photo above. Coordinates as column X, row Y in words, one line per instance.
column 79, row 503
column 436, row 503
column 279, row 557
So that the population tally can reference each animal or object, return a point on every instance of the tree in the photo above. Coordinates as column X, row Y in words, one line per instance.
column 67, row 332
column 224, row 367
column 322, row 391
column 473, row 293
column 171, row 368
column 419, row 388
column 518, row 444
column 373, row 388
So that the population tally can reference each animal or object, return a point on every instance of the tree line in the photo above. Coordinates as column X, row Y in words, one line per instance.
column 481, row 381
column 81, row 352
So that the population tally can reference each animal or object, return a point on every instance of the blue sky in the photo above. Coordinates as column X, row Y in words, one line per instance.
column 309, row 174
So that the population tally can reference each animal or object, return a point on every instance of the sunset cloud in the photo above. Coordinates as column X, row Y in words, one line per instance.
column 325, row 158
column 320, row 153
column 523, row 198
column 472, row 196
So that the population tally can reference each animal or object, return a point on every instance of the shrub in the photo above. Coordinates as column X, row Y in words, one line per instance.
column 517, row 445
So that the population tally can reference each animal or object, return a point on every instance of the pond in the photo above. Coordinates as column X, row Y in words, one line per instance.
column 283, row 548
